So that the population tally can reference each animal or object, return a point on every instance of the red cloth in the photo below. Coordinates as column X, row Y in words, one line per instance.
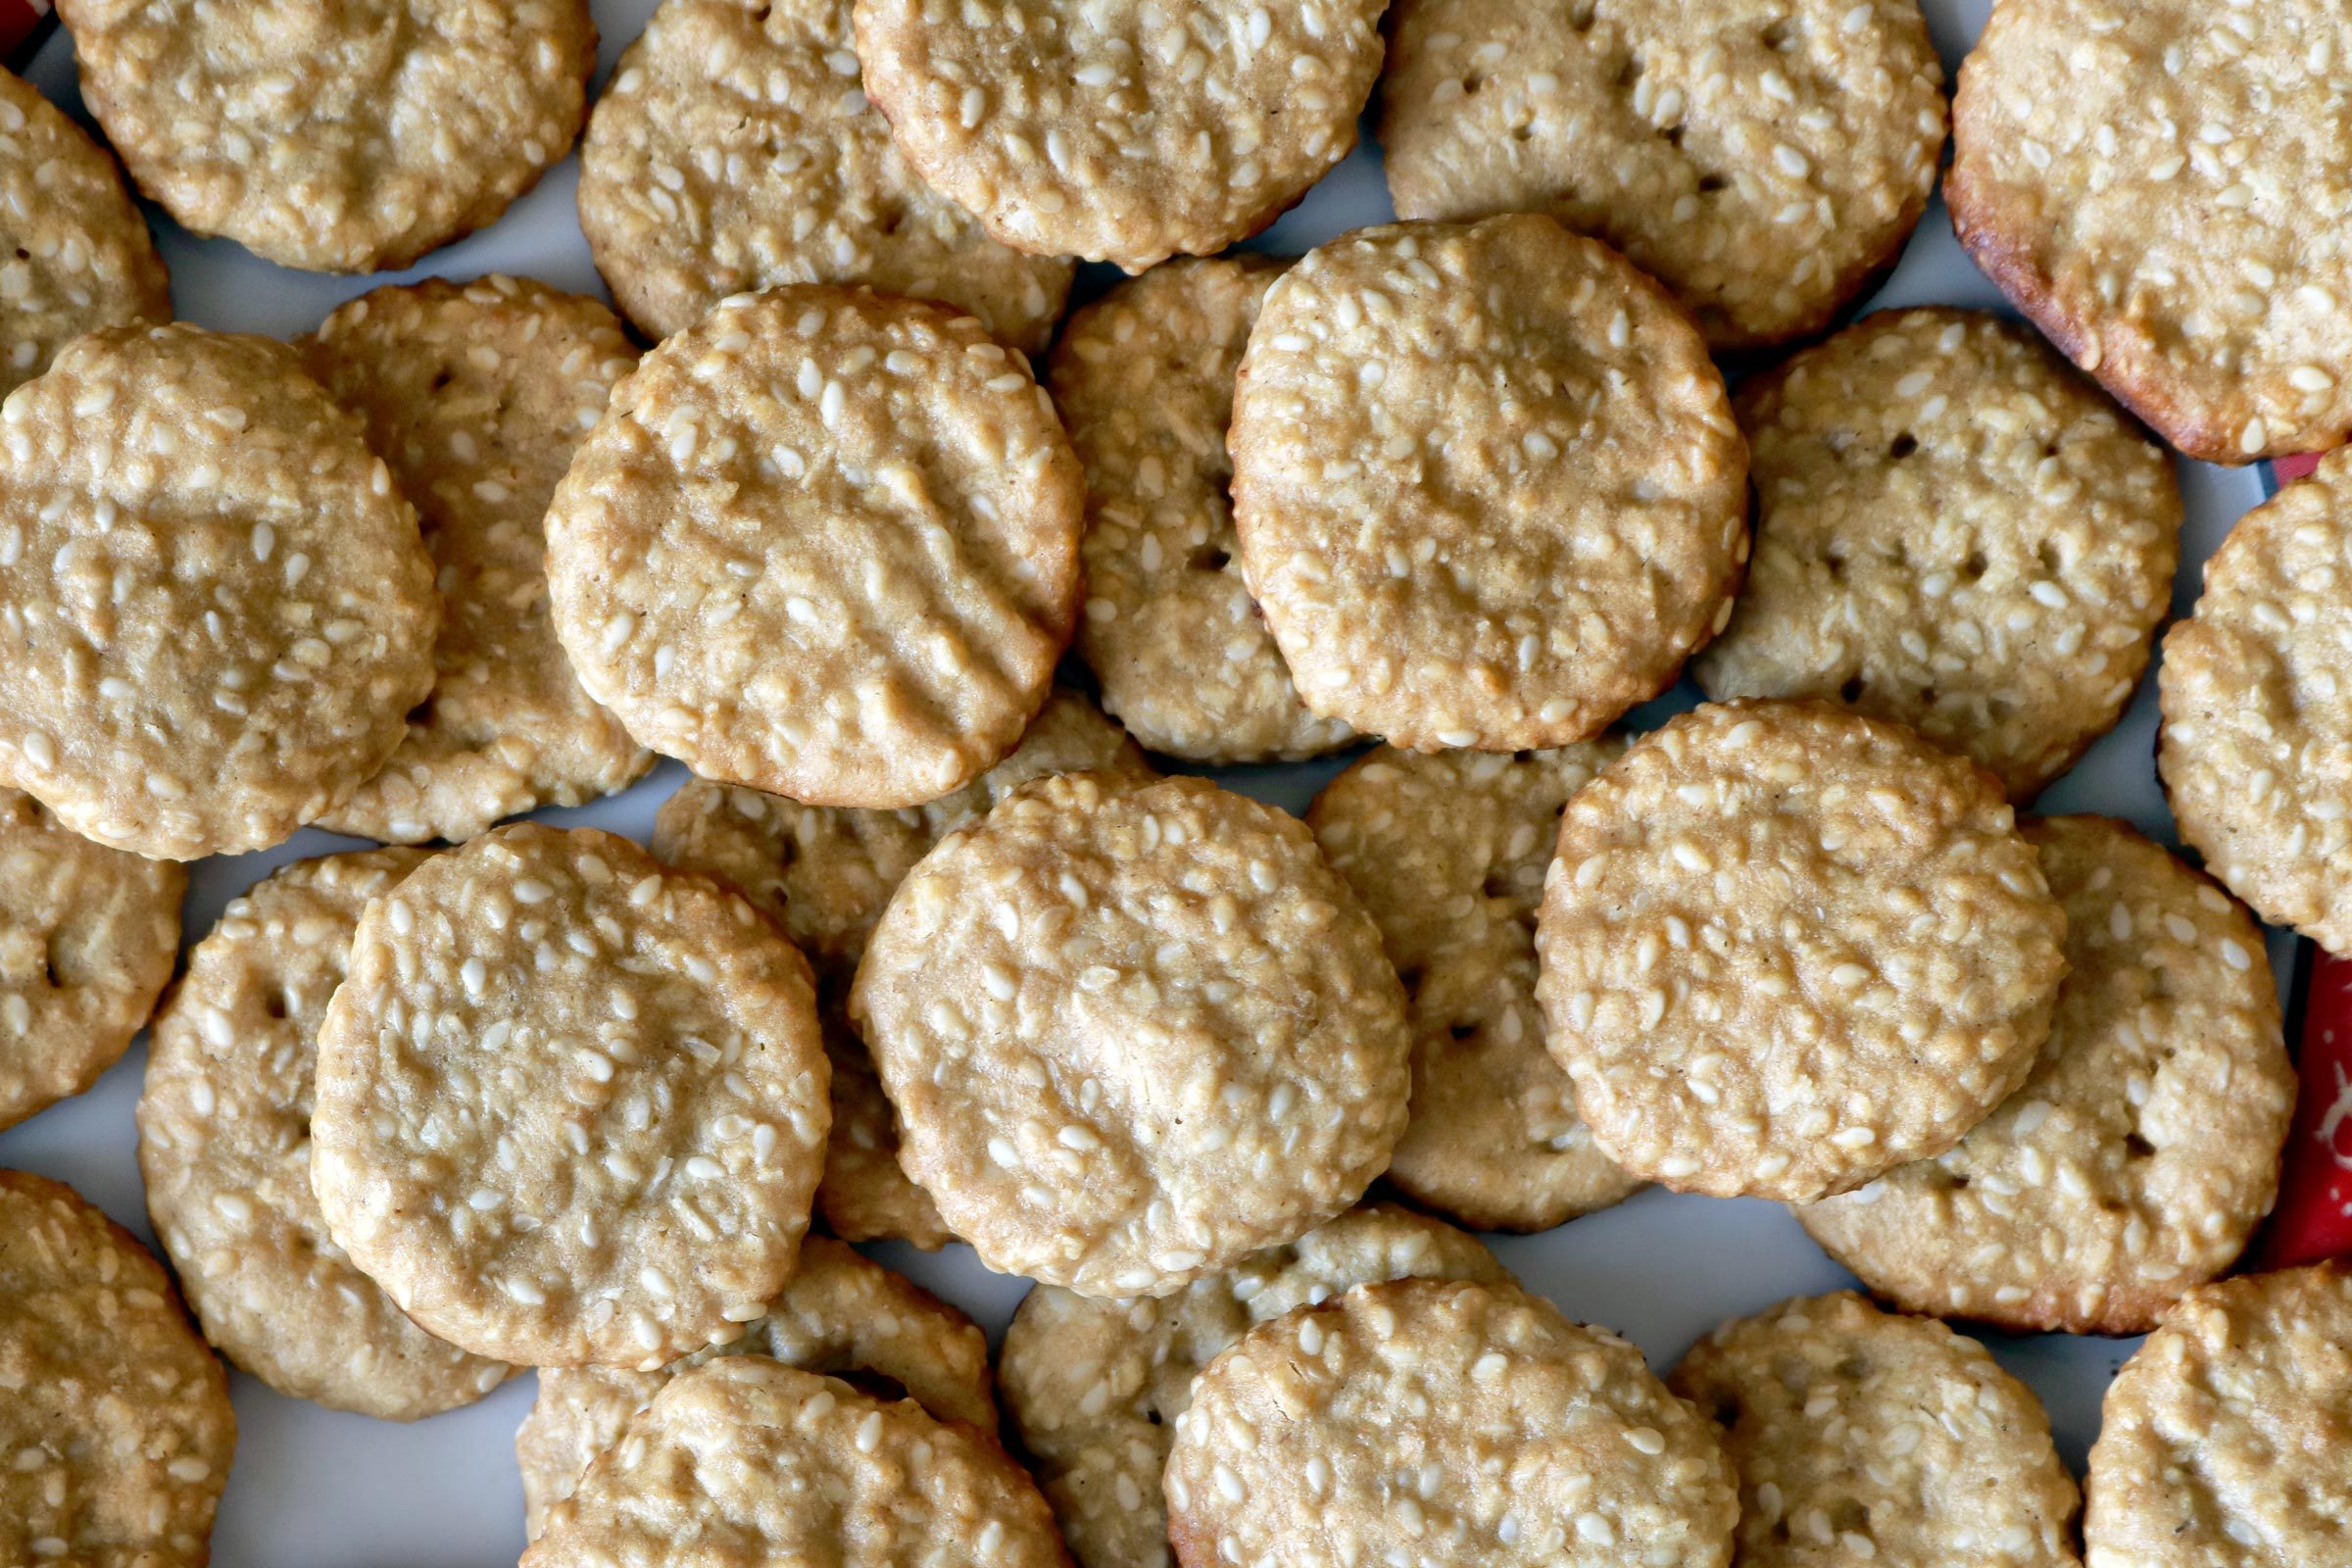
column 20, row 28
column 2314, row 1216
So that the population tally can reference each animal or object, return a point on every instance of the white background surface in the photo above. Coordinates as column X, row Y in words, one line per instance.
column 319, row 1489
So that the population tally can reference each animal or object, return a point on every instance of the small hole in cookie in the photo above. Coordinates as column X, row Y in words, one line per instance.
column 1471, row 85
column 1523, row 133
column 1781, row 35
column 1837, row 565
column 1497, row 886
column 24, row 254
column 422, row 713
column 1709, row 184
column 1974, row 566
column 1851, row 691
column 277, row 1006
column 1152, row 1416
column 1462, row 1031
column 441, row 380
column 2138, row 1148
column 51, row 970
column 1674, row 136
column 1902, row 445
column 1630, row 70
column 1726, row 1413
column 2047, row 554
column 1210, row 559
column 1412, row 980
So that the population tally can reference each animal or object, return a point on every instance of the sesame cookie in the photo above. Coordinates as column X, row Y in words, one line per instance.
column 1447, row 852
column 341, row 138
column 2256, row 689
column 79, row 253
column 2142, row 1152
column 1144, row 378
column 2155, row 182
column 1488, row 485
column 823, row 873
column 570, row 1103
column 218, row 609
column 1443, row 1421
column 116, row 1419
column 839, row 1314
column 2221, row 1442
column 87, row 939
column 734, row 150
column 1121, row 130
column 1954, row 530
column 1763, row 159
column 1093, row 1383
column 477, row 394
column 1862, row 1436
column 225, row 1147
column 744, row 1459
column 1133, row 1033
column 1785, row 948
column 825, row 544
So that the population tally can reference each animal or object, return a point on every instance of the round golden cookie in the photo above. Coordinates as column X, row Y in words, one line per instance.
column 114, row 1415
column 745, row 1459
column 224, row 1149
column 75, row 253
column 824, row 543
column 734, row 150
column 1444, row 1421
column 1488, row 485
column 341, row 138
column 839, row 1314
column 1144, row 379
column 823, row 873
column 1092, row 1384
column 1121, row 130
column 1860, row 1435
column 2141, row 1153
column 2155, row 183
column 1765, row 160
column 87, row 939
column 1447, row 852
column 214, row 607
column 1785, row 948
column 1133, row 1033
column 1956, row 531
column 570, row 1104
column 2256, row 689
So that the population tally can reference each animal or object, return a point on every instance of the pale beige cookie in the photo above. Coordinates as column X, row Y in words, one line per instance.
column 824, row 543
column 1428, row 1421
column 570, row 1104
column 1092, row 1384
column 734, row 150
column 342, row 138
column 74, row 253
column 225, row 1147
column 823, row 873
column 1763, row 159
column 1486, row 481
column 1121, row 130
column 2140, row 1154
column 746, row 1460
column 1133, row 1034
column 2156, row 183
column 219, row 609
column 87, row 939
column 116, row 1419
column 1860, row 1435
column 1785, row 948
column 2256, row 688
column 1447, row 854
column 477, row 394
column 839, row 1314
column 1954, row 530
column 1144, row 379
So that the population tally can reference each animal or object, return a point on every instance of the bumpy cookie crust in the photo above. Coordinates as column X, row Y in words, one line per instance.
column 1763, row 159
column 1785, row 948
column 1445, row 1421
column 1489, row 488
column 1134, row 1034
column 116, row 1418
column 2142, row 1152
column 2155, row 183
column 570, row 1104
column 1447, row 854
column 824, row 543
column 1954, row 530
column 2222, row 1439
column 1121, row 130
column 220, row 606
column 337, row 138
column 87, row 939
column 1860, row 1435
